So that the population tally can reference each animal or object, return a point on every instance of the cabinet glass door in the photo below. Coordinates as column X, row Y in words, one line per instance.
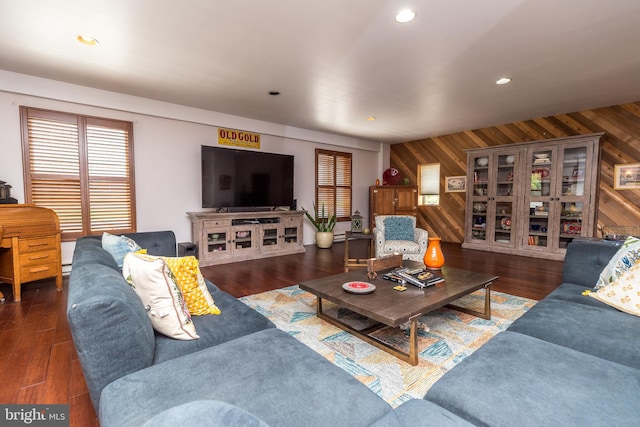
column 269, row 237
column 538, row 224
column 217, row 241
column 573, row 171
column 243, row 238
column 479, row 193
column 501, row 197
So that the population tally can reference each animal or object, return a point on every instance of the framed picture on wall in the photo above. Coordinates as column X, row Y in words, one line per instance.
column 455, row 184
column 626, row 176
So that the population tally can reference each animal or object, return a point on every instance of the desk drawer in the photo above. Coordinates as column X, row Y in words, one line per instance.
column 37, row 272
column 37, row 244
column 37, row 258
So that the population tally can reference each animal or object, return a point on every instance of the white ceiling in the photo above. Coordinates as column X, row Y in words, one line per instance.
column 336, row 62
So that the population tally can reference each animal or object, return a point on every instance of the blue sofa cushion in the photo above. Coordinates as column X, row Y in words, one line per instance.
column 119, row 246
column 235, row 320
column 210, row 413
column 600, row 331
column 419, row 412
column 110, row 328
column 268, row 374
column 89, row 251
column 520, row 380
column 585, row 260
column 398, row 228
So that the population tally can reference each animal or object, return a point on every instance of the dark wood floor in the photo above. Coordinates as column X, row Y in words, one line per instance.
column 39, row 364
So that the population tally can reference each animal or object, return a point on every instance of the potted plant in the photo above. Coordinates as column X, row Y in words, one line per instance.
column 324, row 226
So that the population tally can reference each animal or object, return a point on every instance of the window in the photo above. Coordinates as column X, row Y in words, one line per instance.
column 429, row 184
column 82, row 168
column 333, row 183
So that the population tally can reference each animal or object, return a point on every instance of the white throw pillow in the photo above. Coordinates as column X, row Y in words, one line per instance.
column 623, row 293
column 152, row 280
column 624, row 259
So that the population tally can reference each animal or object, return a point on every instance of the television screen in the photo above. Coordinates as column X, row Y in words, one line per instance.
column 237, row 179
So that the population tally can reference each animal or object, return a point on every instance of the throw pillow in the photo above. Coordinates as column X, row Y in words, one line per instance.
column 624, row 259
column 152, row 280
column 398, row 228
column 187, row 273
column 119, row 246
column 623, row 293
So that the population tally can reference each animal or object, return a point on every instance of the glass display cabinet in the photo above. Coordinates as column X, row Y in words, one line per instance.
column 532, row 198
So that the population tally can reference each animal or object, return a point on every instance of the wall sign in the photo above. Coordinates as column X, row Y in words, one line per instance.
column 238, row 138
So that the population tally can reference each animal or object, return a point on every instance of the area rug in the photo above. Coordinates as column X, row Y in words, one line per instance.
column 445, row 337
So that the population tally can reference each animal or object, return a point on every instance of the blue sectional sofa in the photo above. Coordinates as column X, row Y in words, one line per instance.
column 570, row 360
column 241, row 371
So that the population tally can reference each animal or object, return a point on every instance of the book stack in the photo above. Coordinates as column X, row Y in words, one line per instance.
column 419, row 277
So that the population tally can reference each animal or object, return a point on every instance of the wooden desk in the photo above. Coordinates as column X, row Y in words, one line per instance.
column 29, row 246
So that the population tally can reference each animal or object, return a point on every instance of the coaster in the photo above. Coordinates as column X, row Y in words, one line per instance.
column 359, row 287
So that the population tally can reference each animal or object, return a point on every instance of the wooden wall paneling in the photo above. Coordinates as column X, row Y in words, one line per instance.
column 621, row 123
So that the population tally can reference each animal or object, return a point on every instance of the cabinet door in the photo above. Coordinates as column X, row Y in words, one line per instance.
column 542, row 170
column 502, row 197
column 291, row 231
column 218, row 242
column 243, row 238
column 269, row 237
column 406, row 201
column 478, row 216
column 573, row 193
column 384, row 200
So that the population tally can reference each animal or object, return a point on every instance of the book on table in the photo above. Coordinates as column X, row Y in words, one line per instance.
column 419, row 277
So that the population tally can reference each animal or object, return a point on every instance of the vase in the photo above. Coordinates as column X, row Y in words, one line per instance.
column 433, row 258
column 324, row 239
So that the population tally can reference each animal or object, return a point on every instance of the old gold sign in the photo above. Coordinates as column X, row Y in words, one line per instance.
column 238, row 138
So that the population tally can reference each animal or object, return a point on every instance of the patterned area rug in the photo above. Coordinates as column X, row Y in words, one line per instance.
column 445, row 337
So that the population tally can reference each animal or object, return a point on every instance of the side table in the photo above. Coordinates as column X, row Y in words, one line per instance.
column 357, row 262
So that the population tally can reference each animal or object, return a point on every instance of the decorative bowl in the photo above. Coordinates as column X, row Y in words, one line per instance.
column 541, row 155
column 479, row 207
column 535, row 227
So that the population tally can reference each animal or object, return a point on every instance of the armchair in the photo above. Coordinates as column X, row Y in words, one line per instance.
column 398, row 234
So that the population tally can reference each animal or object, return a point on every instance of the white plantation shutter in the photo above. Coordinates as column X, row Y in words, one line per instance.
column 81, row 167
column 333, row 183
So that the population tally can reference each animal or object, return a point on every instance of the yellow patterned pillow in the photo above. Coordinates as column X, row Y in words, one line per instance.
column 623, row 293
column 187, row 273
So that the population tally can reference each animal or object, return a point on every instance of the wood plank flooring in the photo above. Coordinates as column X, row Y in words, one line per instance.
column 39, row 363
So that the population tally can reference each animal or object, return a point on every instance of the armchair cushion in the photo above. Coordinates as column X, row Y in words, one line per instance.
column 399, row 228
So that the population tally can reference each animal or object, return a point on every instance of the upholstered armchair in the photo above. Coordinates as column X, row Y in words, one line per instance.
column 398, row 234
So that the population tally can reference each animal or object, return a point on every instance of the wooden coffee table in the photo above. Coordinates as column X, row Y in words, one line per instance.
column 392, row 308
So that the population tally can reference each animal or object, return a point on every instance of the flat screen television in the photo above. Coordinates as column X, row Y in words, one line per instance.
column 245, row 180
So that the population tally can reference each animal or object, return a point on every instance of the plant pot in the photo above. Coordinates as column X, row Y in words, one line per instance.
column 324, row 239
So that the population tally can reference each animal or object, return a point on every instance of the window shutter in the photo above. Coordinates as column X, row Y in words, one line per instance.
column 109, row 169
column 54, row 167
column 333, row 183
column 82, row 168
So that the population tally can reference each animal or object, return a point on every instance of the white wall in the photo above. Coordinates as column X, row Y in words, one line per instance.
column 167, row 139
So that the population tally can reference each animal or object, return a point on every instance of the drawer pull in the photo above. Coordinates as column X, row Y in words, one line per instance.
column 38, row 269
column 33, row 245
column 37, row 257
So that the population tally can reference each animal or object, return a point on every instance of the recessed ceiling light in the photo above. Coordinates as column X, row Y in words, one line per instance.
column 405, row 15
column 90, row 41
column 503, row 81
column 371, row 118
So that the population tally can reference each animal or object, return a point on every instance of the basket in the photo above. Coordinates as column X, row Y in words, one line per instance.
column 620, row 232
